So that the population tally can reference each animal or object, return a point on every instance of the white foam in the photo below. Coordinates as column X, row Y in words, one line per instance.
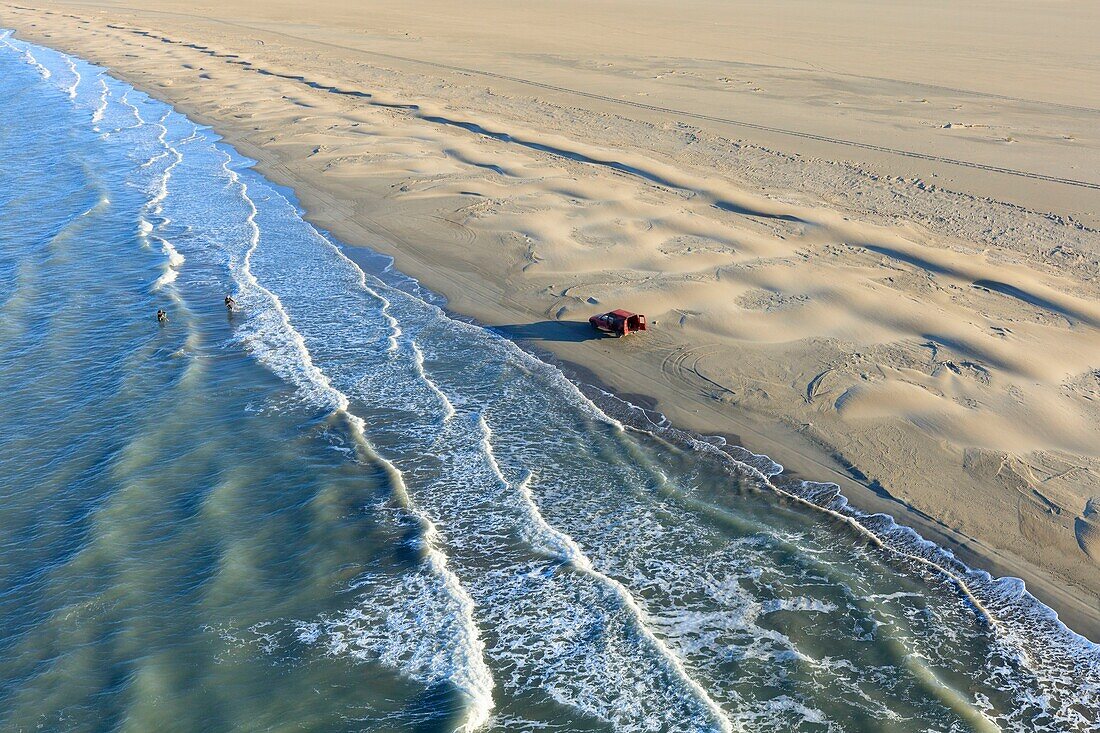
column 24, row 50
column 395, row 328
column 155, row 205
column 171, row 267
column 175, row 259
column 274, row 335
column 76, row 77
column 542, row 535
column 167, row 278
column 398, row 626
column 561, row 545
column 418, row 361
column 101, row 107
column 466, row 667
column 46, row 73
column 154, row 159
column 800, row 603
column 394, row 325
column 125, row 100
column 467, row 670
column 956, row 701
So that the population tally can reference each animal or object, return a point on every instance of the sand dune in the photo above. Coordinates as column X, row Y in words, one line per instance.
column 916, row 314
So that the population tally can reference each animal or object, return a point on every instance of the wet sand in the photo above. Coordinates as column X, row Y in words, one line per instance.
column 866, row 239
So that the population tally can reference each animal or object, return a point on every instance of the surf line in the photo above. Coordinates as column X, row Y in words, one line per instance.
column 418, row 360
column 924, row 674
column 394, row 324
column 564, row 548
column 28, row 57
column 101, row 107
column 395, row 328
column 853, row 522
column 703, row 446
column 155, row 205
column 139, row 120
column 75, row 73
column 476, row 681
column 527, row 359
column 46, row 73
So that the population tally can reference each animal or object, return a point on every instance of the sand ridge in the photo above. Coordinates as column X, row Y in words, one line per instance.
column 936, row 345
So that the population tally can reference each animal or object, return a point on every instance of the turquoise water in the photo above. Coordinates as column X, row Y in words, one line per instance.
column 338, row 509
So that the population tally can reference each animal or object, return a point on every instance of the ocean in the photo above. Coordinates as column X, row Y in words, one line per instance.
column 338, row 508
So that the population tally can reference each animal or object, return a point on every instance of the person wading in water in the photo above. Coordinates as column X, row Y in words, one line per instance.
column 162, row 317
column 230, row 304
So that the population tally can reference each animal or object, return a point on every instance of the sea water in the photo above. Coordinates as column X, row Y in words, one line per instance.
column 336, row 508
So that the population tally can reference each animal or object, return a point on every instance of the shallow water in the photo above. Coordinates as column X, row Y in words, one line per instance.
column 339, row 509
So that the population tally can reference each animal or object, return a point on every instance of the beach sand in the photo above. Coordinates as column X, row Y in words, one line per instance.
column 866, row 235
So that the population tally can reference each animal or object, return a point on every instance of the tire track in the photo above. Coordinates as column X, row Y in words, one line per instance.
column 681, row 113
column 801, row 134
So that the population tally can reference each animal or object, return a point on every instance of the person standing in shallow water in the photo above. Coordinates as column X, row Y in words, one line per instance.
column 162, row 317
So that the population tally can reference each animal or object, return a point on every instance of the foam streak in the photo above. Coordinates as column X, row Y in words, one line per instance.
column 562, row 546
column 76, row 76
column 101, row 107
column 155, row 205
column 470, row 673
column 418, row 361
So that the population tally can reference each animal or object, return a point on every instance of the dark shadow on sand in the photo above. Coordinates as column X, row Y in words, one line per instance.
column 571, row 331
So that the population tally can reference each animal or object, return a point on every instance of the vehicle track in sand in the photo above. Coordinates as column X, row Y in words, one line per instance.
column 672, row 111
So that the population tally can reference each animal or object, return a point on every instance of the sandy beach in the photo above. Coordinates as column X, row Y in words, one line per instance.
column 867, row 237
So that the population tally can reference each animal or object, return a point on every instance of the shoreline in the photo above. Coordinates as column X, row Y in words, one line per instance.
column 475, row 296
column 1071, row 611
column 864, row 499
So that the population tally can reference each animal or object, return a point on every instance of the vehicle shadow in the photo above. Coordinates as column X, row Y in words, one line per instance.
column 566, row 331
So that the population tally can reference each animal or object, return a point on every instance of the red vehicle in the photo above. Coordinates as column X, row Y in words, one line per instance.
column 618, row 322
